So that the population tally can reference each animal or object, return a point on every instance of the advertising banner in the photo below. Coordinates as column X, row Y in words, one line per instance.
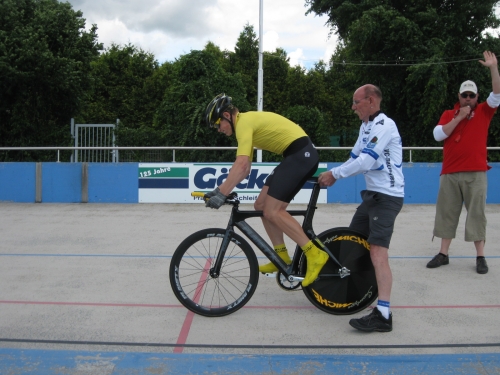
column 174, row 182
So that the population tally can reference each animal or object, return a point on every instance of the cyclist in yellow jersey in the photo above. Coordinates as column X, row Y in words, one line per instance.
column 267, row 131
column 275, row 133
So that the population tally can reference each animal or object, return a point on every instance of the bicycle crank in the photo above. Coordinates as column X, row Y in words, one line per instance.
column 288, row 283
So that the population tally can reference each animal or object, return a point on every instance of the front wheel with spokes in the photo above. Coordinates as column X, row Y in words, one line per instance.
column 199, row 288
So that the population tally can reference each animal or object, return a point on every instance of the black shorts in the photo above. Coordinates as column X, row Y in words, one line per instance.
column 375, row 217
column 300, row 163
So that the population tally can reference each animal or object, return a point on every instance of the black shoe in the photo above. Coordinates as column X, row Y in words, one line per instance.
column 481, row 266
column 373, row 322
column 438, row 261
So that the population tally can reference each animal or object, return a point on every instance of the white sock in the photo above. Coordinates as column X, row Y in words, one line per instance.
column 383, row 307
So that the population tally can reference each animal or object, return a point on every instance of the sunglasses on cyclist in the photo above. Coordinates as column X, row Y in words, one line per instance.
column 465, row 95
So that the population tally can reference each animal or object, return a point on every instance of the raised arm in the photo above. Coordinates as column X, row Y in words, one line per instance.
column 490, row 61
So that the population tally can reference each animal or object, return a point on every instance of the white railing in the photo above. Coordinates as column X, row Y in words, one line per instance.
column 173, row 148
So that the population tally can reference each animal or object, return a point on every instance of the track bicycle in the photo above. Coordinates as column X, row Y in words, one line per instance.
column 214, row 272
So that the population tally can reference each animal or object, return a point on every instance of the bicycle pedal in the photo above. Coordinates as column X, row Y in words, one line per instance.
column 269, row 274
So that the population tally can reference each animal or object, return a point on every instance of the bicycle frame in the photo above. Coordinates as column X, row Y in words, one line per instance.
column 237, row 219
column 215, row 271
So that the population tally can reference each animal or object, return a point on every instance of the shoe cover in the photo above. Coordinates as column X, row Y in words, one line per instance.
column 270, row 268
column 316, row 259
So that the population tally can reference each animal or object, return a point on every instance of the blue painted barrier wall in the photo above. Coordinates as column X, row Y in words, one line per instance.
column 421, row 184
column 61, row 182
column 17, row 182
column 118, row 183
column 113, row 183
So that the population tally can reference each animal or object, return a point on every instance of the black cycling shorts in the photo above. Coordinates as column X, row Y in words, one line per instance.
column 300, row 162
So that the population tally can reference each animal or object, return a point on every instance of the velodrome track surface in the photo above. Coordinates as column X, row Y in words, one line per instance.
column 84, row 290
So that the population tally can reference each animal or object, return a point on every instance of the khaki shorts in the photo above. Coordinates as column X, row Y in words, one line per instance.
column 456, row 189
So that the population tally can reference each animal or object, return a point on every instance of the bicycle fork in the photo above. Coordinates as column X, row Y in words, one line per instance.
column 221, row 252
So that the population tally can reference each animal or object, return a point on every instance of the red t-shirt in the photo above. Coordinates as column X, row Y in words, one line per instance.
column 465, row 149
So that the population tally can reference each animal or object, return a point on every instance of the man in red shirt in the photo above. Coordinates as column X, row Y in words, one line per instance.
column 464, row 130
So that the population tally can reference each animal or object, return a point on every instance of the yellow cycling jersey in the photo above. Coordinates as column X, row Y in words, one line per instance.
column 265, row 130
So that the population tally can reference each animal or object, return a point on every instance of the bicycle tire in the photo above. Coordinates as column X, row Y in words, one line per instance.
column 353, row 293
column 203, row 294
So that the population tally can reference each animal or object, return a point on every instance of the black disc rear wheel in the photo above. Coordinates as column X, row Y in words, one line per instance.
column 353, row 293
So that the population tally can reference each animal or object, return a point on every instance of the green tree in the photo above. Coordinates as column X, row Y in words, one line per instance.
column 245, row 60
column 311, row 120
column 276, row 66
column 222, row 57
column 45, row 57
column 418, row 52
column 198, row 78
column 311, row 88
column 128, row 84
column 296, row 86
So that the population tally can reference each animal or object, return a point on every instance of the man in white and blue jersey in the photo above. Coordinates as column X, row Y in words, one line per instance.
column 378, row 154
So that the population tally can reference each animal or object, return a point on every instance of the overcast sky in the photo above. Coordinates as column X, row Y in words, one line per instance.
column 171, row 28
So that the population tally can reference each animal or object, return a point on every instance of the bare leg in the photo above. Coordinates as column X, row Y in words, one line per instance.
column 380, row 260
column 275, row 233
column 277, row 220
column 479, row 248
column 445, row 245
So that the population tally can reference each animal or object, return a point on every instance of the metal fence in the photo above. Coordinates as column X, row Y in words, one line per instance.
column 96, row 137
column 172, row 149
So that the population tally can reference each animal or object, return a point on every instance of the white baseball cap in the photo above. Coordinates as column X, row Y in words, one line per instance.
column 468, row 86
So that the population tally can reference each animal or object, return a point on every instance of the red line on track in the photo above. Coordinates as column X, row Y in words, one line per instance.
column 186, row 326
column 89, row 304
column 246, row 307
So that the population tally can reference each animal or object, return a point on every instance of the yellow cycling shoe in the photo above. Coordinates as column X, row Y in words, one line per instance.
column 270, row 268
column 316, row 259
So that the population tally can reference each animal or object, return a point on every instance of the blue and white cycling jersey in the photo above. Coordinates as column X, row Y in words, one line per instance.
column 378, row 153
